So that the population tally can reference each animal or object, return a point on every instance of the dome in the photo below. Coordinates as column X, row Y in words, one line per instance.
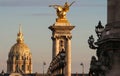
column 19, row 57
column 20, row 49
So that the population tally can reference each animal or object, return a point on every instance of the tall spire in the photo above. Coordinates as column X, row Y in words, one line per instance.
column 20, row 28
column 20, row 38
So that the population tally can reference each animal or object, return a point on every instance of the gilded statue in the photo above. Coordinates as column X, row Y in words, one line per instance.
column 61, row 11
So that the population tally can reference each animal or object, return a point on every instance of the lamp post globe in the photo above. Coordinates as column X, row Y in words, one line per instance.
column 99, row 29
column 91, row 39
column 62, row 54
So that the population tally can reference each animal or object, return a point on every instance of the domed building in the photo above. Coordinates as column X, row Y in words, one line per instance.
column 19, row 57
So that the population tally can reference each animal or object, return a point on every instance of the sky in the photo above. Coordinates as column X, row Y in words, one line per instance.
column 35, row 17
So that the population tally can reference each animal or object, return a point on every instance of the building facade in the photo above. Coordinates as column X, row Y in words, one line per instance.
column 19, row 57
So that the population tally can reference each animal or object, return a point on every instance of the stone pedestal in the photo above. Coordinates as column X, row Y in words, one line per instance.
column 61, row 36
column 109, row 44
column 113, row 11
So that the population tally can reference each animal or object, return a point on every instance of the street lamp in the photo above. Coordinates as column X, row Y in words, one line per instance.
column 62, row 60
column 95, row 67
column 3, row 73
column 82, row 69
column 44, row 63
column 99, row 29
column 94, row 45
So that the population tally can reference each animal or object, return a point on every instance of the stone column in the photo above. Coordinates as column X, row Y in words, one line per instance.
column 30, row 66
column 13, row 65
column 13, row 68
column 68, row 57
column 25, row 66
column 117, row 16
column 55, row 48
column 113, row 13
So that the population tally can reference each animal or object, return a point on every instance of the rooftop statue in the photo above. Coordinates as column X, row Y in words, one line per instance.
column 61, row 11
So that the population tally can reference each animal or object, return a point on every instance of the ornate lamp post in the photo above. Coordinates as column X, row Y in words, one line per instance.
column 82, row 69
column 95, row 67
column 62, row 61
column 99, row 29
column 44, row 63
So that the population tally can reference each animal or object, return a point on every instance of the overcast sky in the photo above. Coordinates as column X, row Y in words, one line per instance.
column 35, row 17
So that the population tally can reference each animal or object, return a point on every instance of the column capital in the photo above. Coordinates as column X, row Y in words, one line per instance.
column 55, row 37
column 69, row 37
